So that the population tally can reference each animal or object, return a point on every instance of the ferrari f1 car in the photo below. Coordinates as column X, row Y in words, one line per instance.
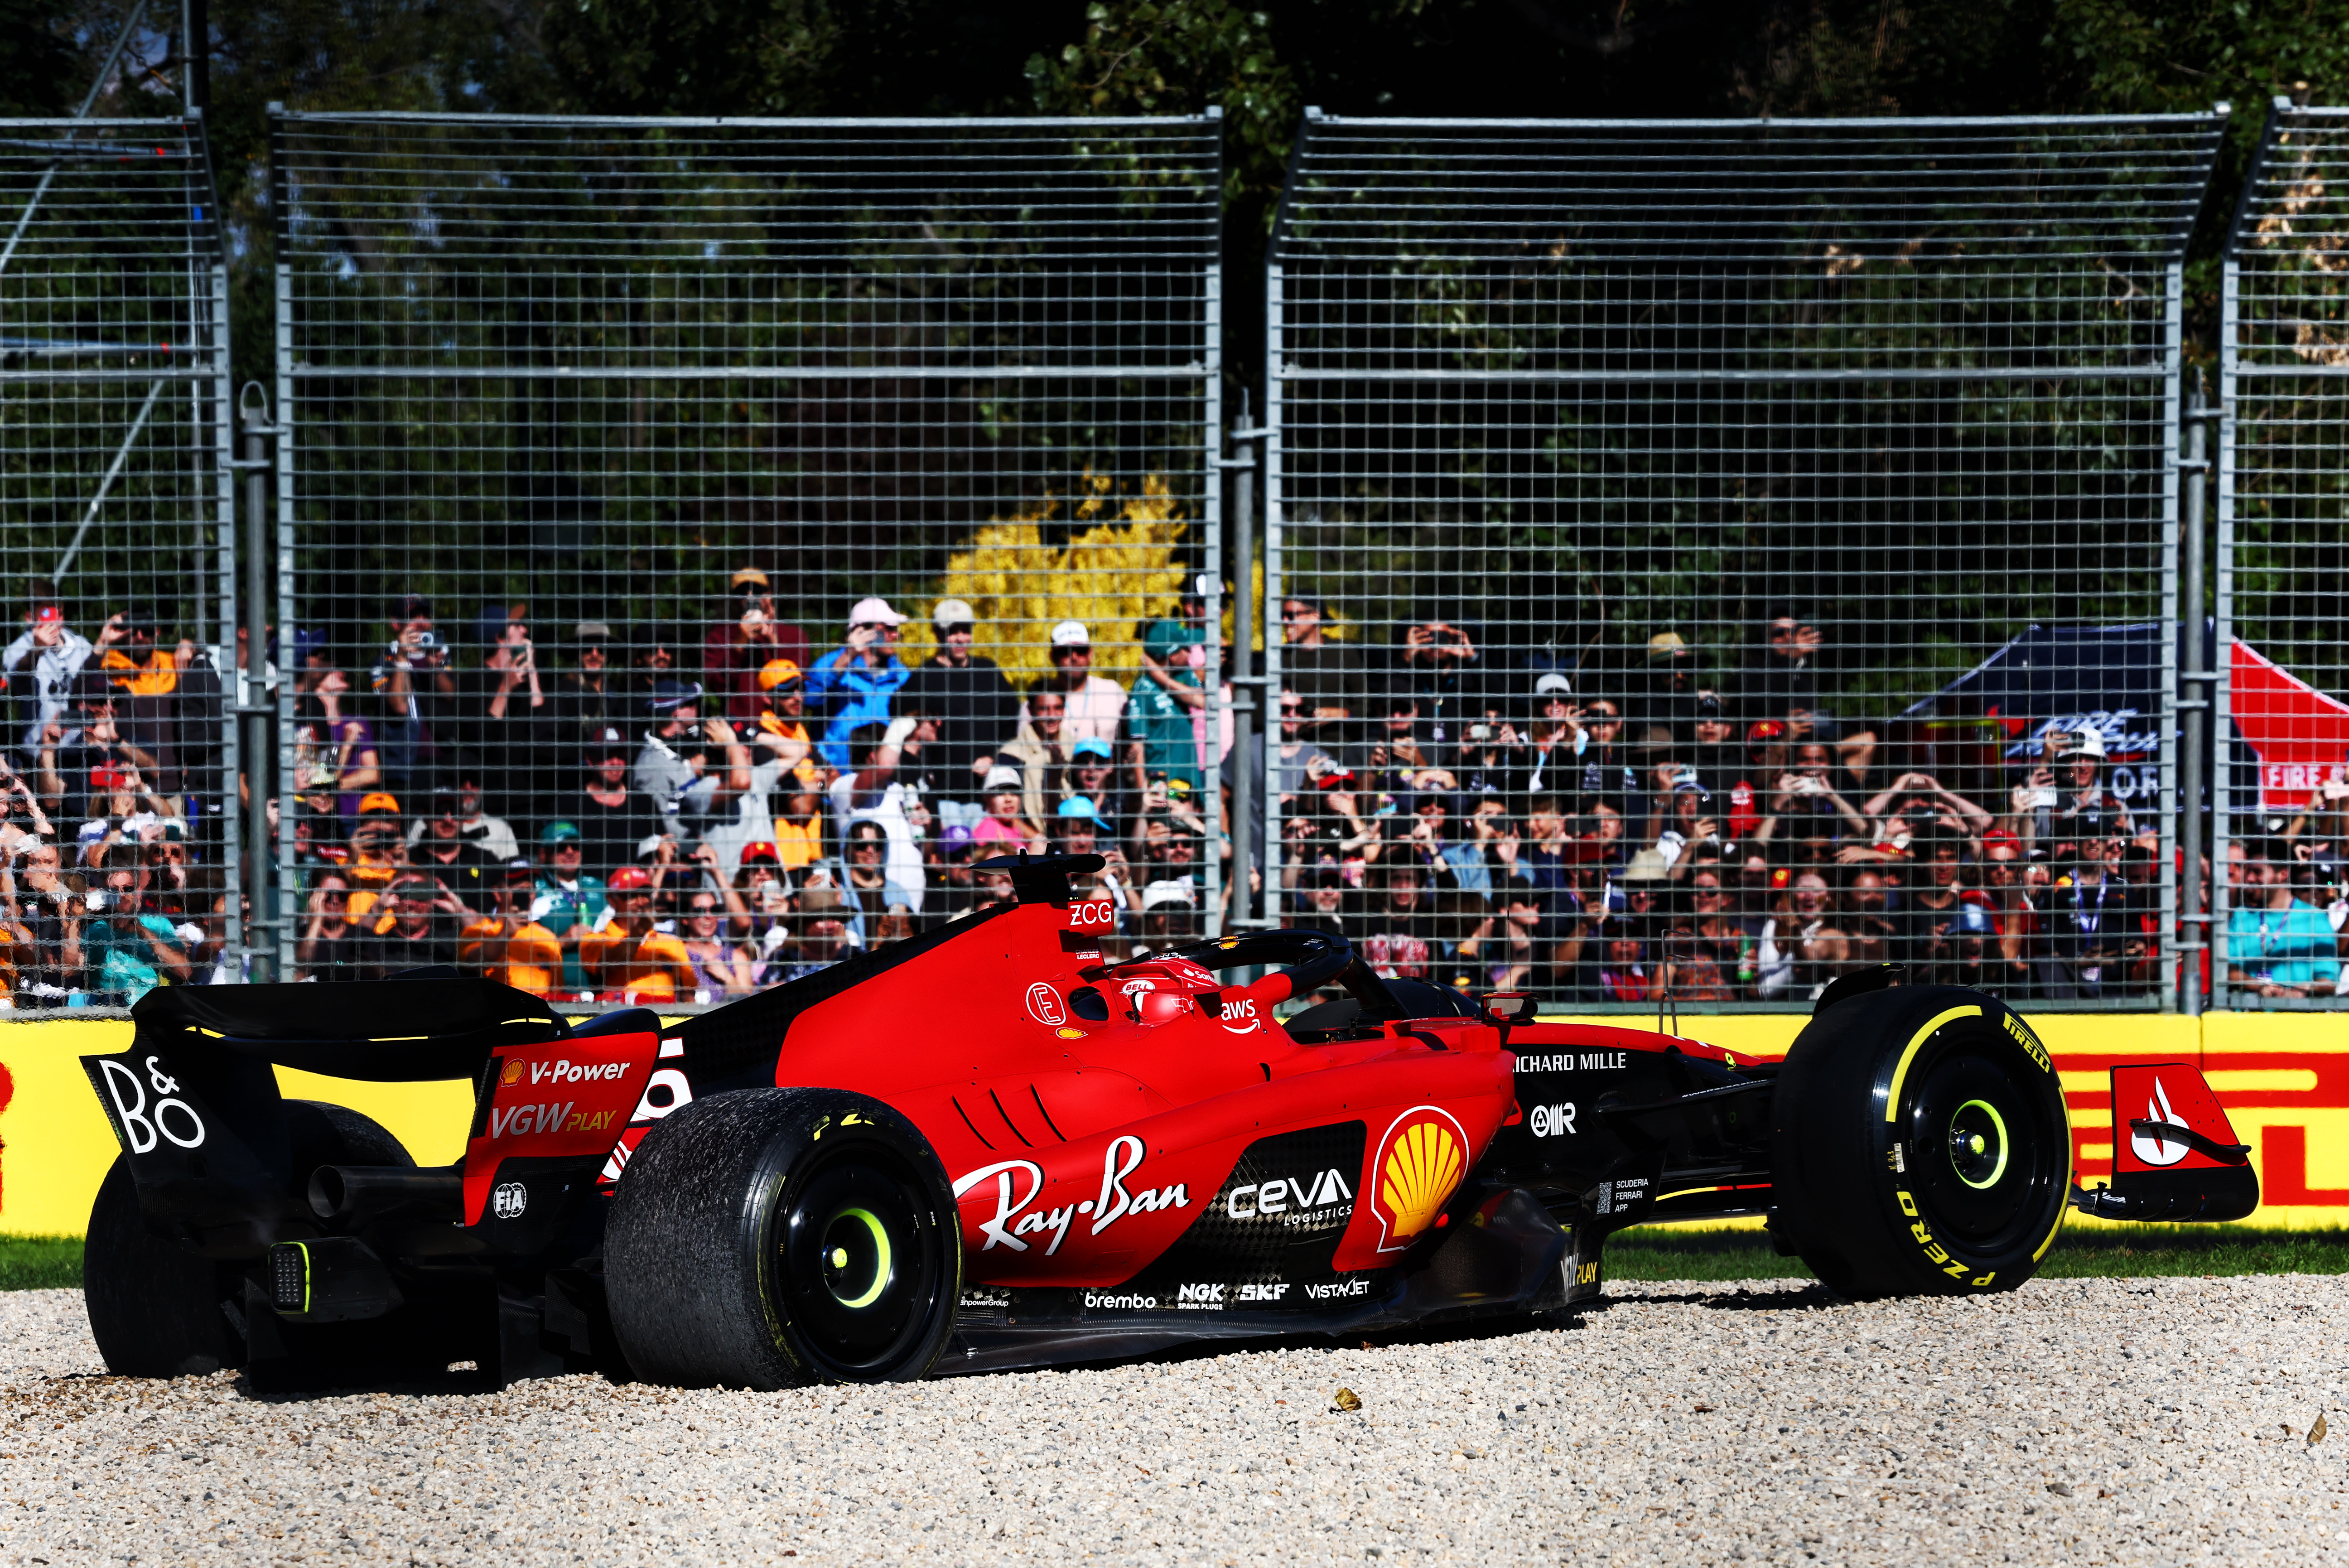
column 992, row 1148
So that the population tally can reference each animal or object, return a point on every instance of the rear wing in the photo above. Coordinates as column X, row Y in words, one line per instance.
column 194, row 1101
column 2175, row 1157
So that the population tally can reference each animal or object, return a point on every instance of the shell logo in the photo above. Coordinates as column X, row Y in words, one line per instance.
column 512, row 1074
column 1418, row 1163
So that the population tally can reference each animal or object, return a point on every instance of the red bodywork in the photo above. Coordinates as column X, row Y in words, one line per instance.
column 1080, row 1148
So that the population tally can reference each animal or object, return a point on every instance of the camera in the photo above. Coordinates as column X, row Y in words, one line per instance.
column 427, row 641
column 1480, row 732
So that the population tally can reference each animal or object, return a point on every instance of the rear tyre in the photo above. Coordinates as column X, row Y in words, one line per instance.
column 768, row 1238
column 1919, row 1145
column 156, row 1309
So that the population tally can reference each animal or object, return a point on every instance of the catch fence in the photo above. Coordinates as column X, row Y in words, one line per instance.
column 116, row 548
column 1797, row 495
column 578, row 414
column 2281, row 843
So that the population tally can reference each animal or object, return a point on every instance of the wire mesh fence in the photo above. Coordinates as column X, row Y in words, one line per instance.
column 2283, row 500
column 1710, row 556
column 701, row 541
column 114, row 489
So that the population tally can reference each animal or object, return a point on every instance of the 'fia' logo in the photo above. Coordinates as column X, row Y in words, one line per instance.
column 2152, row 1147
column 1044, row 1005
column 1418, row 1163
column 509, row 1199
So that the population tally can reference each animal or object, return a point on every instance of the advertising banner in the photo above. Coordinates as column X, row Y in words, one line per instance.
column 2282, row 1077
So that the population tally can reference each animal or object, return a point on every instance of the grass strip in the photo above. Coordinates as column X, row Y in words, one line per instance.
column 40, row 1262
column 2081, row 1252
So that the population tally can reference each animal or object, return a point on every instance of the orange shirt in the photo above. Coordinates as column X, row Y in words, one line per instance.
column 160, row 677
column 799, row 844
column 653, row 966
column 805, row 769
column 530, row 959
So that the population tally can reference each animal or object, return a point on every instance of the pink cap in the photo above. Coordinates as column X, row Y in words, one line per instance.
column 870, row 610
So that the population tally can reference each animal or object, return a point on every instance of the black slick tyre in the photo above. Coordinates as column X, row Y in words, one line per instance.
column 1919, row 1145
column 769, row 1238
column 156, row 1309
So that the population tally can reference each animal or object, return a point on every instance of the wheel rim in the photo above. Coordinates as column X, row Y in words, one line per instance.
column 859, row 1265
column 1986, row 1149
column 1979, row 1144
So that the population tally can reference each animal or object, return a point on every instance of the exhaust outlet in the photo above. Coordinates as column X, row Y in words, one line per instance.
column 348, row 1192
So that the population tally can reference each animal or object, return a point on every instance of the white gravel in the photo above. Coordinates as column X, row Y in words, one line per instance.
column 1690, row 1423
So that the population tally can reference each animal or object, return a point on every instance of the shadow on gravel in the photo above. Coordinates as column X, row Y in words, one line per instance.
column 1809, row 1298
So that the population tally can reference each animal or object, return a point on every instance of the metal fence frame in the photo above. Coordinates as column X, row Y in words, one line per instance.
column 2159, row 380
column 188, row 243
column 2273, row 260
column 299, row 369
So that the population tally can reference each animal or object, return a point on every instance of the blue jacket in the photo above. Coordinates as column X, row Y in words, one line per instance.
column 852, row 694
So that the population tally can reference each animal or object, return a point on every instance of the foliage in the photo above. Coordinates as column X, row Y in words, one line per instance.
column 1114, row 576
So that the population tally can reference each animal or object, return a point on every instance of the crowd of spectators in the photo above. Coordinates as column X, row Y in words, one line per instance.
column 602, row 812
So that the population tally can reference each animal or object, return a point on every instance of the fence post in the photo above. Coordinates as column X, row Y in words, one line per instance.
column 2193, row 705
column 1246, row 684
column 253, row 708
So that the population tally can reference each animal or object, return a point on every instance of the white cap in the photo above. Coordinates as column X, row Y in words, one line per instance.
column 870, row 610
column 1071, row 634
column 1553, row 682
column 2086, row 744
column 1167, row 892
column 1000, row 778
column 1202, row 586
column 953, row 612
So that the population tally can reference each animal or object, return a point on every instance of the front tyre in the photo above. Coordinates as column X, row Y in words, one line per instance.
column 1920, row 1145
column 768, row 1238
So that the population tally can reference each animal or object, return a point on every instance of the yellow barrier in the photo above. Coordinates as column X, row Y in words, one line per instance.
column 2283, row 1078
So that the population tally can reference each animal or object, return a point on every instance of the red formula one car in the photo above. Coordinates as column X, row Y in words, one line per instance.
column 989, row 1147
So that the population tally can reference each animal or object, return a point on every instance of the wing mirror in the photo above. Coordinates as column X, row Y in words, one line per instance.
column 1503, row 1008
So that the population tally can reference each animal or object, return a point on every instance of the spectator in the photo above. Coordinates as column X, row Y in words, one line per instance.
column 631, row 960
column 145, row 678
column 570, row 901
column 744, row 640
column 1169, row 916
column 757, row 897
column 1782, row 681
column 1438, row 664
column 1005, row 830
column 1089, row 774
column 615, row 823
column 781, row 735
column 504, row 707
column 1092, row 707
column 50, row 657
column 1729, row 940
column 1712, row 749
column 2089, row 930
column 1040, row 747
column 2278, row 945
column 22, row 820
column 869, row 790
column 584, row 700
column 653, row 660
column 721, row 969
column 439, row 849
column 1875, row 934
column 327, row 930
column 975, row 709
column 867, row 878
column 85, row 771
column 854, row 684
column 508, row 945
column 418, row 690
column 1400, row 940
column 336, row 749
column 124, row 951
column 1667, row 693
column 1332, row 678
column 40, row 903
column 691, row 769
column 799, row 832
column 1930, row 915
column 1081, row 831
column 1802, row 947
column 1159, row 707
